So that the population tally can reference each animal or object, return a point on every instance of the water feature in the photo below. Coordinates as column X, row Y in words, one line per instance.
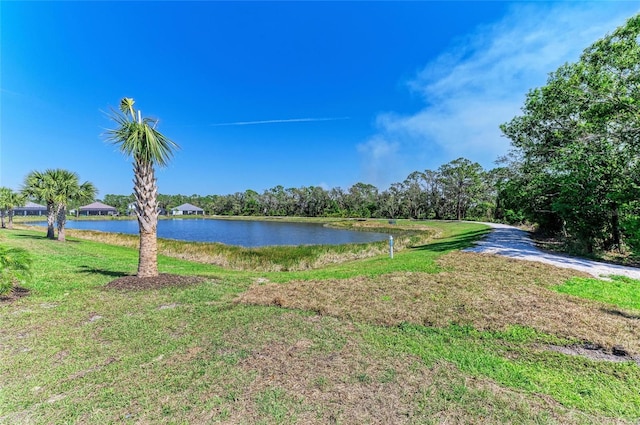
column 236, row 232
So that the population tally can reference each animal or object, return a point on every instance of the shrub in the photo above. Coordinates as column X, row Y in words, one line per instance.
column 15, row 267
column 514, row 217
column 631, row 231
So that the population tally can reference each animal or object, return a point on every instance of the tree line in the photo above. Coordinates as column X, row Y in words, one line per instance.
column 460, row 189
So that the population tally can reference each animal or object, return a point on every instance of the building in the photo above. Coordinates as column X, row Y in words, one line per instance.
column 131, row 209
column 97, row 208
column 187, row 209
column 30, row 208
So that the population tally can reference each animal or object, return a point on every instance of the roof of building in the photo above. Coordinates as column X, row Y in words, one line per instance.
column 31, row 206
column 98, row 206
column 186, row 207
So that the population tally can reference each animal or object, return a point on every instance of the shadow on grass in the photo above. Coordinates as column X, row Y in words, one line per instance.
column 462, row 241
column 110, row 273
column 43, row 237
column 621, row 314
column 35, row 237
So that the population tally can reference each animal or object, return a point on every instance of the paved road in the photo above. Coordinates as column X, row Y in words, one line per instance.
column 515, row 243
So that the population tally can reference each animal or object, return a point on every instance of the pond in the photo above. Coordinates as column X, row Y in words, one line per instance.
column 241, row 232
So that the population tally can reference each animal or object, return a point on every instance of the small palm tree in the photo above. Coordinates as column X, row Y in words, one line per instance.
column 57, row 187
column 4, row 194
column 138, row 138
column 40, row 186
column 68, row 189
column 8, row 201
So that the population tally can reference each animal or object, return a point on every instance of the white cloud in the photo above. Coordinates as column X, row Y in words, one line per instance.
column 280, row 121
column 482, row 80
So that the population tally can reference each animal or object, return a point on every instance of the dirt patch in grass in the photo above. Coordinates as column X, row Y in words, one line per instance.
column 295, row 382
column 163, row 280
column 15, row 293
column 595, row 352
column 487, row 292
column 342, row 386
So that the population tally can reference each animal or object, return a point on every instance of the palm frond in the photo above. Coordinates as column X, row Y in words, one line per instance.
column 126, row 106
column 140, row 140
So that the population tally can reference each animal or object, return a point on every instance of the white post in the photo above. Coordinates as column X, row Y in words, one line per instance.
column 390, row 246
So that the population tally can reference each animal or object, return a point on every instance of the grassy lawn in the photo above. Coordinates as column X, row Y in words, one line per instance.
column 620, row 292
column 431, row 336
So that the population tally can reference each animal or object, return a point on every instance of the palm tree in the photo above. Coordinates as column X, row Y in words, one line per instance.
column 138, row 138
column 40, row 186
column 8, row 201
column 68, row 189
column 57, row 187
column 4, row 194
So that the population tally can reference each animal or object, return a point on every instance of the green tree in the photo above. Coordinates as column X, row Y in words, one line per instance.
column 251, row 203
column 57, row 188
column 8, row 201
column 68, row 189
column 319, row 201
column 273, row 200
column 362, row 200
column 390, row 201
column 4, row 194
column 434, row 197
column 414, row 195
column 461, row 182
column 578, row 145
column 138, row 137
column 40, row 186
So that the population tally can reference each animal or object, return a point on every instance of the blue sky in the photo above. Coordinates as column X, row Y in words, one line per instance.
column 284, row 93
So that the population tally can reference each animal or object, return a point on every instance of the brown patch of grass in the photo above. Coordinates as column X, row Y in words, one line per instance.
column 485, row 291
column 342, row 386
column 198, row 252
column 347, row 384
column 163, row 280
column 119, row 239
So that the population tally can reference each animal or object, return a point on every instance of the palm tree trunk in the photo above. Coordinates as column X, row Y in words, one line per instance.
column 2, row 218
column 148, row 259
column 51, row 218
column 62, row 219
column 146, row 193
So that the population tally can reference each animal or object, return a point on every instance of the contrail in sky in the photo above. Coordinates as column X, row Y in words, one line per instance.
column 279, row 121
